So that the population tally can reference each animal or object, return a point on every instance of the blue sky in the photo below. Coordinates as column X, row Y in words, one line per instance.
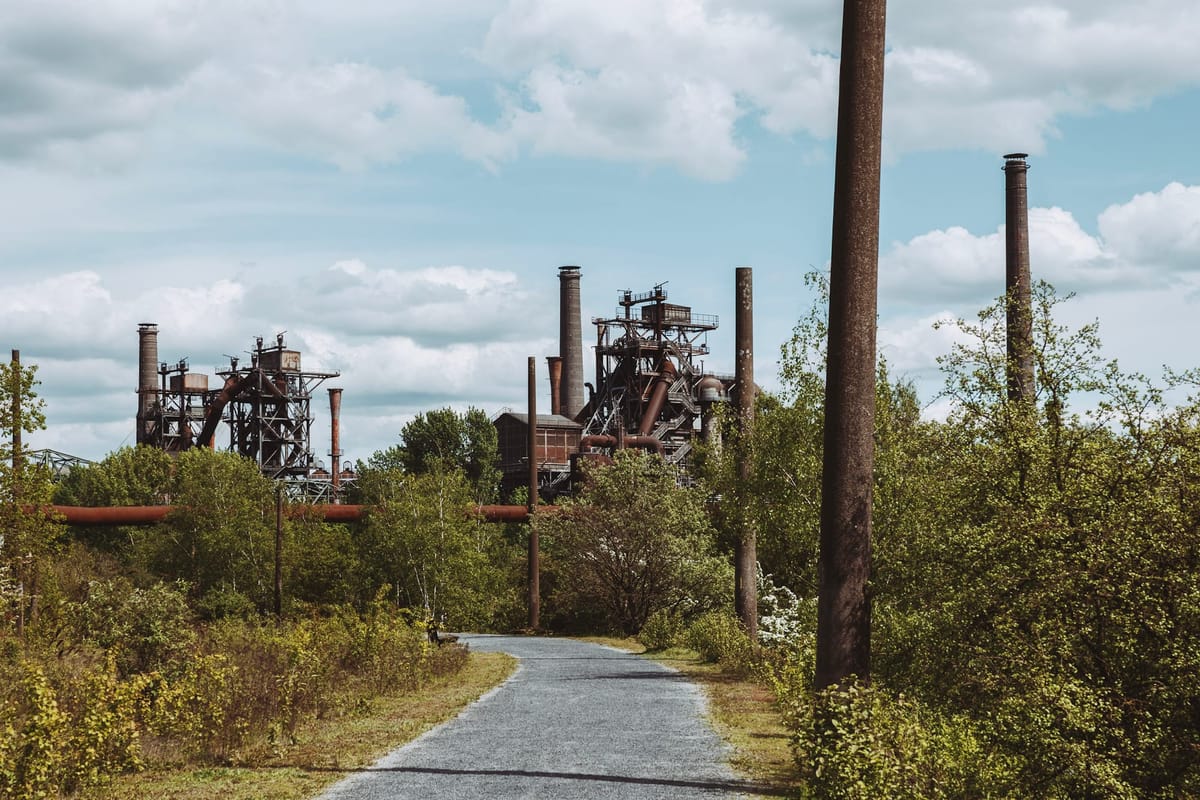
column 395, row 184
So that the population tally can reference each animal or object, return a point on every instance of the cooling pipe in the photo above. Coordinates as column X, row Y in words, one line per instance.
column 335, row 440
column 1017, row 283
column 570, row 342
column 147, row 390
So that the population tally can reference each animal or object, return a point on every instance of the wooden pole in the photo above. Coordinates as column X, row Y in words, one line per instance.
column 535, row 592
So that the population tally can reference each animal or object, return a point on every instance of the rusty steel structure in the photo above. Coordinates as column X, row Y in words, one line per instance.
column 649, row 377
column 266, row 407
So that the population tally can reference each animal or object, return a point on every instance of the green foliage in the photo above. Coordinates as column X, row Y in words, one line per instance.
column 662, row 629
column 858, row 742
column 221, row 536
column 130, row 476
column 444, row 440
column 421, row 539
column 633, row 543
column 145, row 629
column 718, row 636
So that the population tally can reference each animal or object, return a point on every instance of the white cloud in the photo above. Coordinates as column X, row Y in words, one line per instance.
column 1147, row 242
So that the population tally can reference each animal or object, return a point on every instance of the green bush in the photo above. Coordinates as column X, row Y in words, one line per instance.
column 663, row 629
column 862, row 743
column 718, row 636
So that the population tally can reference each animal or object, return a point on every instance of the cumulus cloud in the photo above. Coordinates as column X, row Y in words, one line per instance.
column 1148, row 242
column 679, row 83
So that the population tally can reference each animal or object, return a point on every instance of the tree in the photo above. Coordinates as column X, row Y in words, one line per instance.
column 130, row 476
column 27, row 537
column 421, row 538
column 220, row 537
column 445, row 439
column 634, row 542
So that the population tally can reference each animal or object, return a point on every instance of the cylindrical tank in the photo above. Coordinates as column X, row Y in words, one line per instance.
column 570, row 342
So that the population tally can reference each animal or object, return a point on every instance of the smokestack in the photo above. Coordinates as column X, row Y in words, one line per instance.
column 554, row 363
column 335, row 440
column 147, row 379
column 570, row 342
column 746, row 555
column 1017, row 284
column 17, row 423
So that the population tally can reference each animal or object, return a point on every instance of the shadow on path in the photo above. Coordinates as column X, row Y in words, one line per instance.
column 721, row 786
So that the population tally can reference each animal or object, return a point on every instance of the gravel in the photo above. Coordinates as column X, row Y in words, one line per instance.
column 576, row 720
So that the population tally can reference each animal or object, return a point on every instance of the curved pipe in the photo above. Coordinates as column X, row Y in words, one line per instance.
column 658, row 397
column 598, row 440
column 645, row 443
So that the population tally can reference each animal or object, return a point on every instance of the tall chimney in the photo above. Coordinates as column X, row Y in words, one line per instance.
column 554, row 363
column 147, row 380
column 17, row 422
column 570, row 342
column 746, row 549
column 1017, row 284
column 335, row 440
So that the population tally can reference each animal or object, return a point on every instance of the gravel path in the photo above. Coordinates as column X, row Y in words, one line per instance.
column 576, row 720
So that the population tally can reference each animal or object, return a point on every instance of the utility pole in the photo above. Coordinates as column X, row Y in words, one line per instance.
column 279, row 551
column 746, row 555
column 535, row 591
column 843, row 607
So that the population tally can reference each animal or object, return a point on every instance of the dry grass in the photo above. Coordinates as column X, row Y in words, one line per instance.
column 328, row 749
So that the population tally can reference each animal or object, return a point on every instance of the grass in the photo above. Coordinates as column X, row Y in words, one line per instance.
column 742, row 711
column 328, row 749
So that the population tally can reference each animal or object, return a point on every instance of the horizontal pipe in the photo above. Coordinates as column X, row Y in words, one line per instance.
column 150, row 515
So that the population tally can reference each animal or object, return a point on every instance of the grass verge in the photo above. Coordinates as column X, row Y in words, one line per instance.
column 742, row 711
column 328, row 749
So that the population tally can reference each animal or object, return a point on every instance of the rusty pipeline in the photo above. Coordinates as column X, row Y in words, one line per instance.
column 102, row 516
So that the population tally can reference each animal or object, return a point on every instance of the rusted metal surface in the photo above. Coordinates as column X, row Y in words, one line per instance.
column 843, row 607
column 570, row 342
column 554, row 364
column 658, row 397
column 1017, row 283
column 535, row 589
column 150, row 515
column 335, row 441
column 746, row 550
column 645, row 443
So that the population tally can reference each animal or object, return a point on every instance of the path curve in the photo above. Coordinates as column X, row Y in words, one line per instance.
column 576, row 720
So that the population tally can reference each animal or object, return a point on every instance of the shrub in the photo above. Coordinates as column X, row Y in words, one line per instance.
column 718, row 636
column 860, row 742
column 663, row 629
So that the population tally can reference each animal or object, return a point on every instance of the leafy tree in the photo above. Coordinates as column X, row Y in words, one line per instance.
column 634, row 542
column 220, row 537
column 445, row 439
column 27, row 536
column 421, row 539
column 130, row 476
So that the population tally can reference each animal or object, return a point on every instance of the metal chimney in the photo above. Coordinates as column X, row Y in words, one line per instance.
column 335, row 440
column 147, row 390
column 570, row 342
column 554, row 363
column 1017, row 284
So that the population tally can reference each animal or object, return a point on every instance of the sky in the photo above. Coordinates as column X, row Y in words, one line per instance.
column 395, row 183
